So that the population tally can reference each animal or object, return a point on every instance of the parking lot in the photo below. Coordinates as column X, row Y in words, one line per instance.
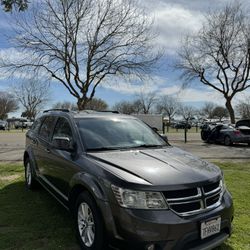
column 12, row 146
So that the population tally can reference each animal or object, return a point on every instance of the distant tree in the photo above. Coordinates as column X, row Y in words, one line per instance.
column 97, row 104
column 82, row 43
column 168, row 105
column 220, row 113
column 125, row 107
column 9, row 5
column 65, row 105
column 243, row 109
column 187, row 112
column 207, row 110
column 32, row 94
column 146, row 101
column 8, row 104
column 219, row 53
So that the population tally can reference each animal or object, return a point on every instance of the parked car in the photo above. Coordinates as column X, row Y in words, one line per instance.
column 226, row 134
column 124, row 183
column 3, row 125
column 23, row 123
column 182, row 125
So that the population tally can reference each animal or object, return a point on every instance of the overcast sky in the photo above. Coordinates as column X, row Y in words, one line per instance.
column 173, row 20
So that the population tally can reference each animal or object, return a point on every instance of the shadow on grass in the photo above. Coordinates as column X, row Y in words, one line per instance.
column 34, row 220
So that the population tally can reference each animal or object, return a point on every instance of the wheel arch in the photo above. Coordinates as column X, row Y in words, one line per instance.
column 83, row 182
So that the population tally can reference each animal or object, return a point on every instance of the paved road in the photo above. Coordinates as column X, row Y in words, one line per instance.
column 12, row 146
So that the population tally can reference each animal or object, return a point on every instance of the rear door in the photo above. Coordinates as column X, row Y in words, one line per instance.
column 44, row 144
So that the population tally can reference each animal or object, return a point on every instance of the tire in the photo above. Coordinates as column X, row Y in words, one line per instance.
column 227, row 141
column 89, row 223
column 30, row 180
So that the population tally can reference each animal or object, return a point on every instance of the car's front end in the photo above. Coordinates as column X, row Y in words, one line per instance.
column 164, row 201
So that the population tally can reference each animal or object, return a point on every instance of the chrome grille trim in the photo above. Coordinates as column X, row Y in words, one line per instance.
column 201, row 198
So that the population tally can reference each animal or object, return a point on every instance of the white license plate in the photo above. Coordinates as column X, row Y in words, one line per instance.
column 210, row 227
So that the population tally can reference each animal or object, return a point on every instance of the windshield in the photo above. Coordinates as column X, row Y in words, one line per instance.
column 117, row 133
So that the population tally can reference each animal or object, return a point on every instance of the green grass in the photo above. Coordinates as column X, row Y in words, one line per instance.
column 174, row 130
column 34, row 220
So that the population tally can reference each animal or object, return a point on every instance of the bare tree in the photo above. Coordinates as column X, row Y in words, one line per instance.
column 20, row 5
column 220, row 113
column 125, row 107
column 169, row 106
column 145, row 102
column 32, row 94
column 8, row 104
column 187, row 112
column 95, row 104
column 65, row 105
column 219, row 54
column 81, row 43
column 243, row 109
column 207, row 110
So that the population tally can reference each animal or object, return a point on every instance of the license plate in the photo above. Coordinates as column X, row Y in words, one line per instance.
column 210, row 227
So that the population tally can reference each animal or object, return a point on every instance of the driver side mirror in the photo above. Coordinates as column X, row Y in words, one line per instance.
column 63, row 143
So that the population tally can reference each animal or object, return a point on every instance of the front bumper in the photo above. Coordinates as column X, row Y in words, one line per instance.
column 165, row 229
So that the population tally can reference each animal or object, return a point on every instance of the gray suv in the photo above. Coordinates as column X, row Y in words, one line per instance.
column 125, row 185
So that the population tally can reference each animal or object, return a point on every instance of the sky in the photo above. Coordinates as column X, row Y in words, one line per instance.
column 173, row 19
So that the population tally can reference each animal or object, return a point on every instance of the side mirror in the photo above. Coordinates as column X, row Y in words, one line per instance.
column 63, row 143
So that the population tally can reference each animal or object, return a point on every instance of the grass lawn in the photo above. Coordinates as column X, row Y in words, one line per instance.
column 34, row 220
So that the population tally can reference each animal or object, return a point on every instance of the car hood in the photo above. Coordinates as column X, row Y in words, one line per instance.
column 165, row 166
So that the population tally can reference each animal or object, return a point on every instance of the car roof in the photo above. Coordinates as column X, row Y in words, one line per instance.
column 85, row 113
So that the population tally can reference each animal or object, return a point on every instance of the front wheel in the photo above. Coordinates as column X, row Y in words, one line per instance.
column 89, row 223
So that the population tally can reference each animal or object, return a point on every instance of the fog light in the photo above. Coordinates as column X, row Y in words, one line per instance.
column 150, row 247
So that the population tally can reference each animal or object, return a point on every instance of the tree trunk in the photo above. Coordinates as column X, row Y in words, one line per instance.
column 230, row 110
column 81, row 103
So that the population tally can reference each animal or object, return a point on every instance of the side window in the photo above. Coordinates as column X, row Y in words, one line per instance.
column 46, row 128
column 36, row 125
column 62, row 129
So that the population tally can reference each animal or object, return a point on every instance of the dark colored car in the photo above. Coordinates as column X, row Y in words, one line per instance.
column 3, row 125
column 226, row 134
column 182, row 125
column 125, row 185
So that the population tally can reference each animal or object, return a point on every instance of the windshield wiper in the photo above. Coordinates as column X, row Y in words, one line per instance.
column 148, row 146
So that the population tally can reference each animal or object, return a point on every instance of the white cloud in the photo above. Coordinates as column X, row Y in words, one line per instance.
column 173, row 22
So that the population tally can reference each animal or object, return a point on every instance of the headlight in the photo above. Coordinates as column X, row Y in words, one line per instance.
column 139, row 199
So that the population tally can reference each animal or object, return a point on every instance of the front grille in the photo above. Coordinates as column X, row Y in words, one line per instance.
column 194, row 200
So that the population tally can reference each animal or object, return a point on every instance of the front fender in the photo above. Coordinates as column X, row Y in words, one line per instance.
column 92, row 184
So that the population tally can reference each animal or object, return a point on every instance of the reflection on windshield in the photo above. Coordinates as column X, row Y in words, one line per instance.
column 117, row 133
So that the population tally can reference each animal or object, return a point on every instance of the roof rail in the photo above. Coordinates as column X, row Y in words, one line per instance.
column 109, row 111
column 63, row 110
column 90, row 111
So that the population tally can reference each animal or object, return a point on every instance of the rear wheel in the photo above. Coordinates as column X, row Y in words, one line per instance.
column 89, row 223
column 227, row 141
column 30, row 180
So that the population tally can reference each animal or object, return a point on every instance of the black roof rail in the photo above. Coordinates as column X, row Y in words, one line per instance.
column 49, row 110
column 89, row 111
column 110, row 111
